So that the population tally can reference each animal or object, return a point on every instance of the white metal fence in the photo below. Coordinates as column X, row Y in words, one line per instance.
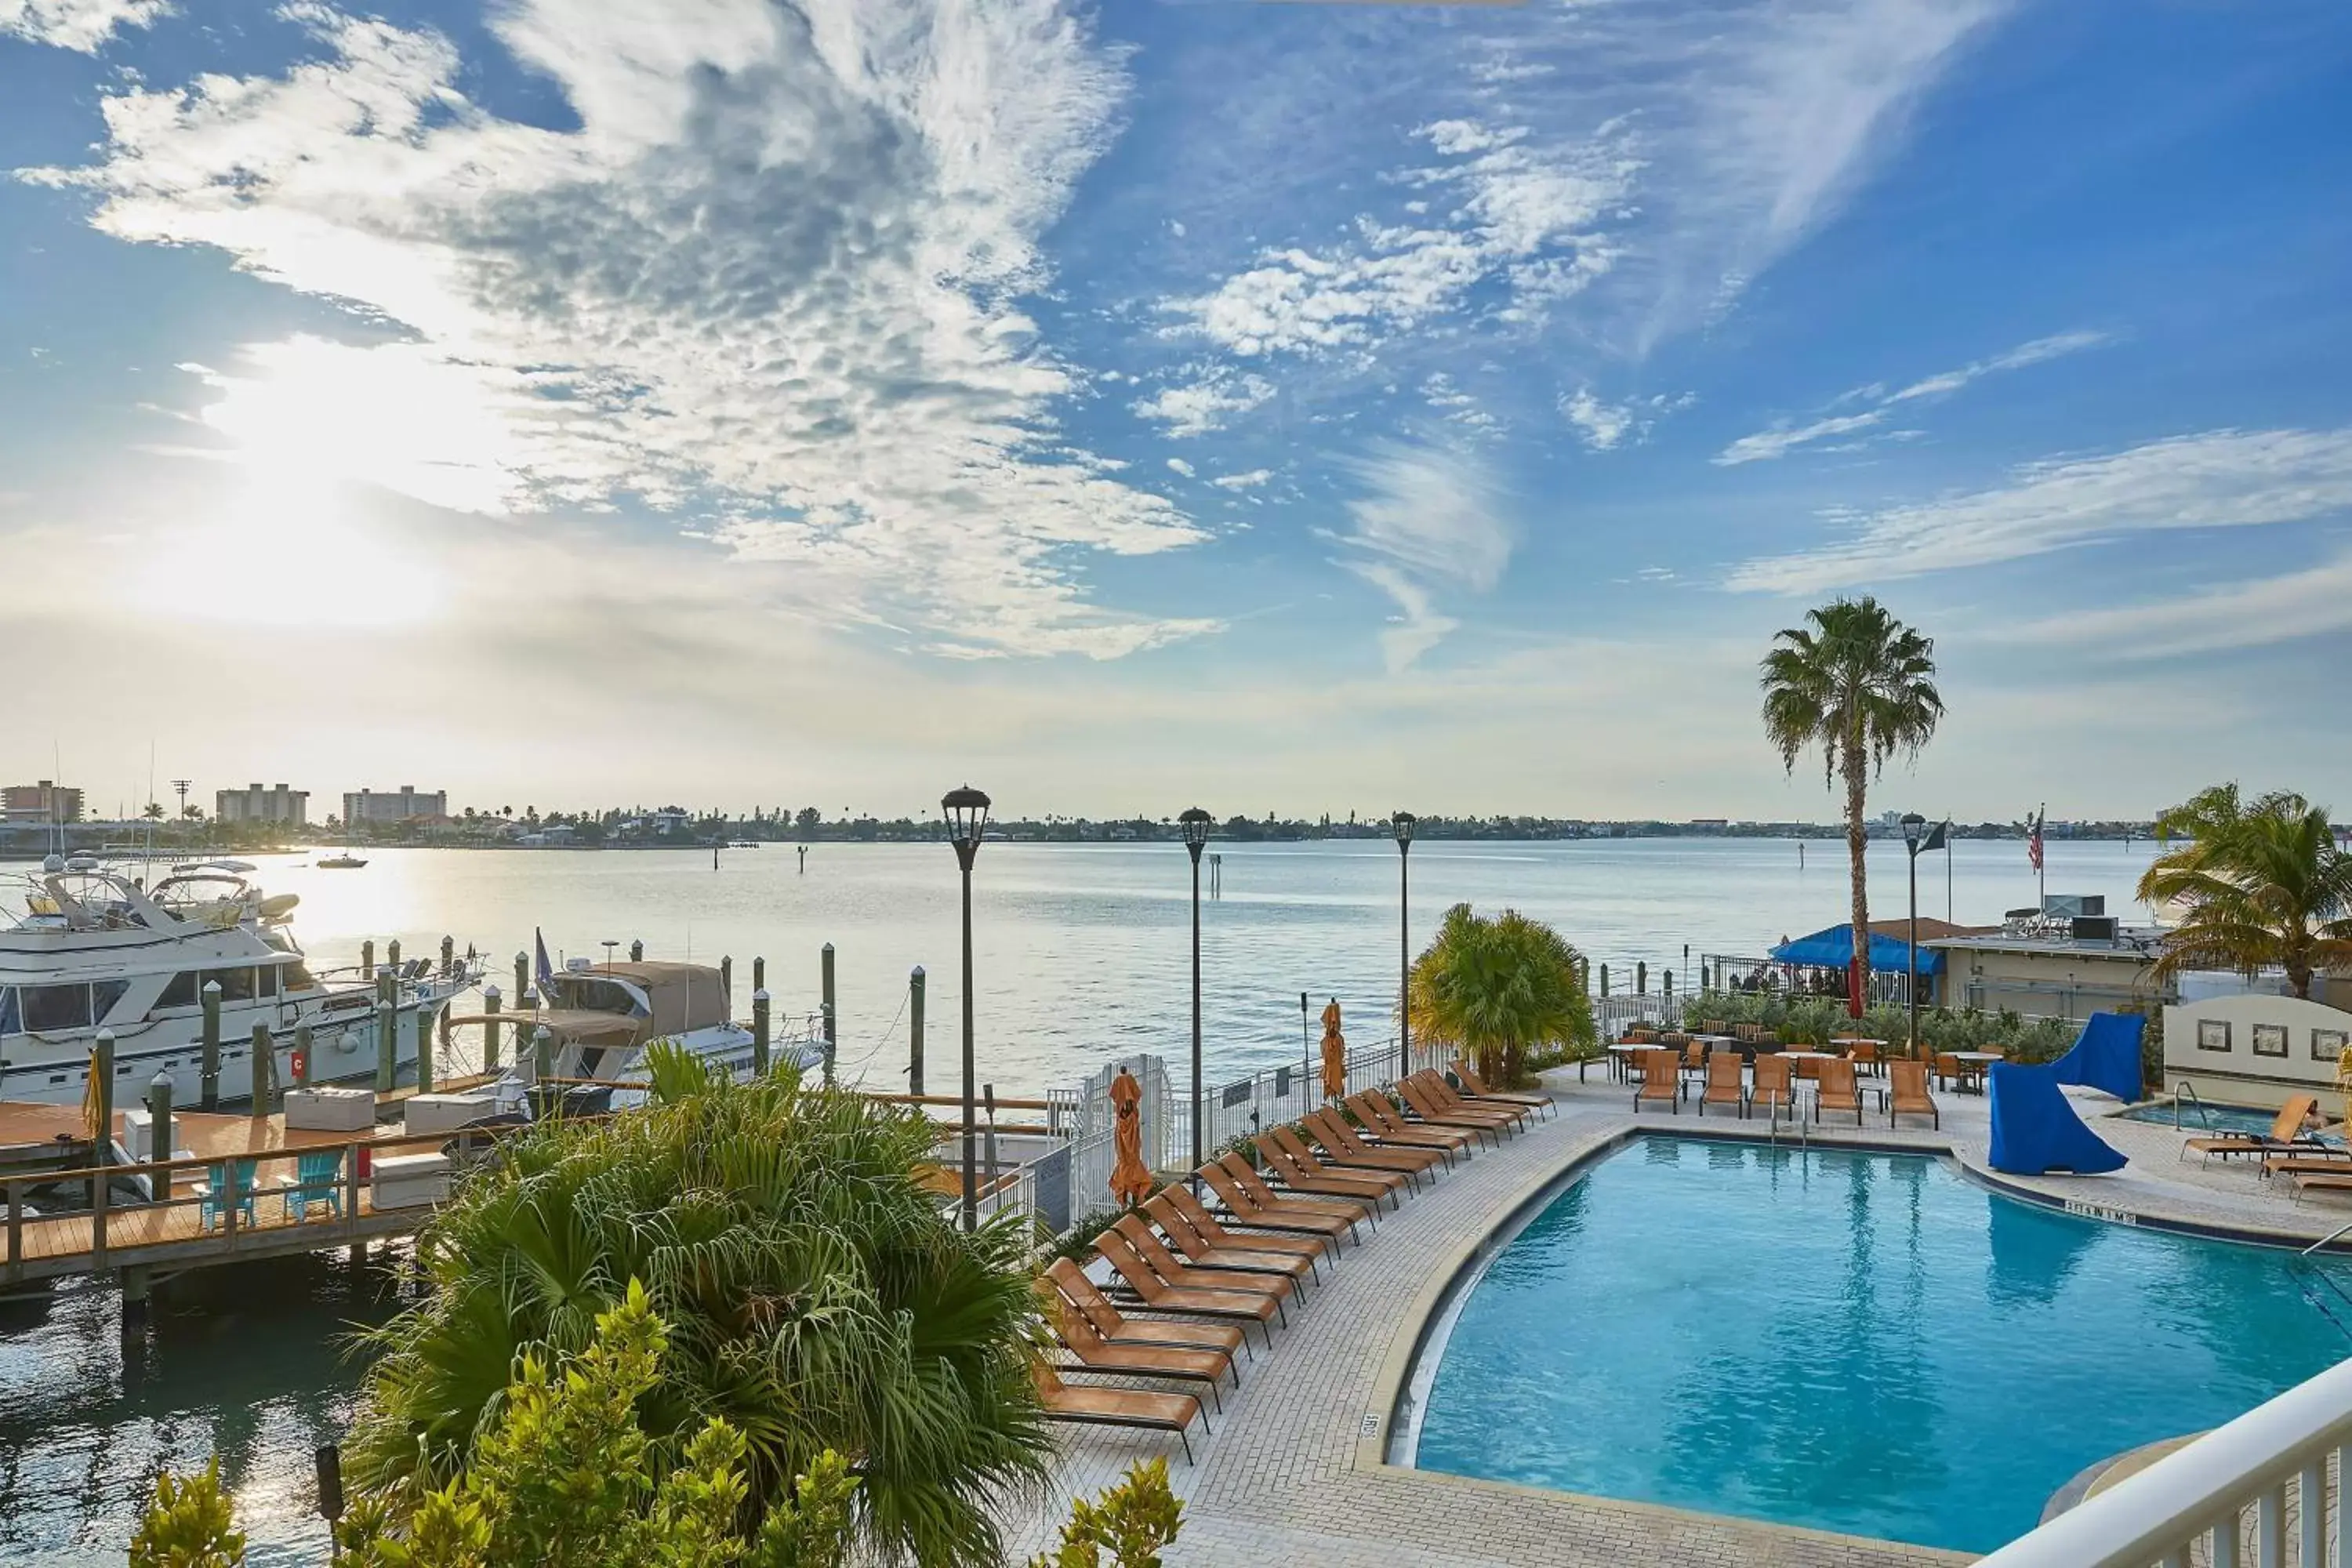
column 2262, row 1490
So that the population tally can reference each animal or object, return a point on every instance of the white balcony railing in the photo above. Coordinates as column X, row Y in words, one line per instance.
column 2260, row 1491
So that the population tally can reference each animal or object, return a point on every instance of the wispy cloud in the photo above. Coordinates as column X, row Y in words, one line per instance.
column 1249, row 481
column 1427, row 519
column 1207, row 404
column 1764, row 445
column 2223, row 479
column 769, row 286
column 1603, row 427
column 82, row 24
column 2252, row 613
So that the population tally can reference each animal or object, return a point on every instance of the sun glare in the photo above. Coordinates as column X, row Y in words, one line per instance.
column 289, row 553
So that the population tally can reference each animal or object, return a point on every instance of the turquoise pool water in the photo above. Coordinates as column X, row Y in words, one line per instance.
column 2217, row 1118
column 1859, row 1343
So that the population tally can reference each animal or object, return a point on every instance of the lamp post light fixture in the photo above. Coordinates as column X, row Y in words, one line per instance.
column 966, row 810
column 1195, row 823
column 1913, row 826
column 1400, row 823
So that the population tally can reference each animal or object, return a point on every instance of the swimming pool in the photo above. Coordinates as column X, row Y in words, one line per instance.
column 2217, row 1118
column 1860, row 1342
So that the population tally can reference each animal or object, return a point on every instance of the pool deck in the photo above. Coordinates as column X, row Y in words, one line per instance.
column 1293, row 1473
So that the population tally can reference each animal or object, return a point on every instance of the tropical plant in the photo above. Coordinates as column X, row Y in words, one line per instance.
column 1860, row 686
column 1133, row 1520
column 1496, row 988
column 815, row 1297
column 188, row 1525
column 2260, row 885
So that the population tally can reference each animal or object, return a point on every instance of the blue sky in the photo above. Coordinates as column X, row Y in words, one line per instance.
column 1299, row 408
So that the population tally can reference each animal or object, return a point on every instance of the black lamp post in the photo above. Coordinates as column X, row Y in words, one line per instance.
column 966, row 810
column 1196, row 834
column 1913, row 823
column 1402, row 822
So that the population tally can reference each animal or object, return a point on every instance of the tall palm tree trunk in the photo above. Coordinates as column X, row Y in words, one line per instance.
column 1857, row 848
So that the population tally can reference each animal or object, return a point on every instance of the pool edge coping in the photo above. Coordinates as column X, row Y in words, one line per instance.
column 1405, row 1349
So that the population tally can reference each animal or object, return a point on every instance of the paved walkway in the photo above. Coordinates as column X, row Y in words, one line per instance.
column 1293, row 1473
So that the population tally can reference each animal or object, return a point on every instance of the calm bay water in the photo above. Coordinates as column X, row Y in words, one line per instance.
column 1080, row 952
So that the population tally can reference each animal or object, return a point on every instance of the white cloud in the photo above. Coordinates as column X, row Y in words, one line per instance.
column 1248, row 481
column 1765, row 446
column 1199, row 406
column 769, row 284
column 82, row 24
column 1179, row 465
column 2221, row 479
column 1428, row 518
column 1603, row 425
column 2252, row 613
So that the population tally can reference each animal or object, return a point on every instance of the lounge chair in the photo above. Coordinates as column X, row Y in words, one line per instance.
column 1905, row 1093
column 1474, row 1088
column 1373, row 1109
column 1431, row 1111
column 1660, row 1081
column 1177, row 1271
column 2286, row 1134
column 1135, row 1407
column 1342, row 1147
column 1866, row 1057
column 1096, row 1354
column 1453, row 1102
column 1083, row 1294
column 2336, row 1181
column 1726, row 1083
column 1772, row 1089
column 1199, row 1250
column 1839, row 1090
column 1289, row 1158
column 1213, row 1230
column 1189, row 1300
column 1254, row 1203
column 2315, row 1161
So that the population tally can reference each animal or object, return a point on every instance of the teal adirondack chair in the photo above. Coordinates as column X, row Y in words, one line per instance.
column 317, row 1180
column 230, row 1181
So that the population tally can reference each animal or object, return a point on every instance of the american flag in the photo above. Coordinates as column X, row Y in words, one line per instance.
column 2034, row 838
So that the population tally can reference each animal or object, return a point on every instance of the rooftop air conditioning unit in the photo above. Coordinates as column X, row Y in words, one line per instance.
column 2096, row 928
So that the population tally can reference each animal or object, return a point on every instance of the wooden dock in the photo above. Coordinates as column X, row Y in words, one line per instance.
column 173, row 1226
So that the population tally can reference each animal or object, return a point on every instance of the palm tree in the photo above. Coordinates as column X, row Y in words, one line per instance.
column 2262, row 885
column 1495, row 987
column 816, row 1299
column 1860, row 685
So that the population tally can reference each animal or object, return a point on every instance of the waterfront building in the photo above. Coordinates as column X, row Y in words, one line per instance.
column 254, row 804
column 43, row 803
column 362, row 808
column 2069, row 961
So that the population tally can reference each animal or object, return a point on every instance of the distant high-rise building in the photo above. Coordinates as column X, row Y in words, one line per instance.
column 255, row 804
column 366, row 805
column 42, row 802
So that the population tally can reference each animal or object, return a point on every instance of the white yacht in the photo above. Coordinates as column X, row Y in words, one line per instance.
column 97, row 950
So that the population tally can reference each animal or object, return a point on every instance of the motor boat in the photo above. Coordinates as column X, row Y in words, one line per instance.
column 346, row 861
column 599, row 1017
column 97, row 951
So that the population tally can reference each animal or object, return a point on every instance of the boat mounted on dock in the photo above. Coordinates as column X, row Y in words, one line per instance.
column 96, row 950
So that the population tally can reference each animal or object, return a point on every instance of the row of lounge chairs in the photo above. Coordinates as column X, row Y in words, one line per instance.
column 1727, row 1085
column 1209, row 1270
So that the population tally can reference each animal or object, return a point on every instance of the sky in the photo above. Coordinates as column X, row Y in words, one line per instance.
column 1279, row 407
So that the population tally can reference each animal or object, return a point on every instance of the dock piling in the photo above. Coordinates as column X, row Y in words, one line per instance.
column 727, row 982
column 138, row 1281
column 263, row 1088
column 301, row 1056
column 760, row 1032
column 367, row 959
column 448, row 956
column 159, row 1112
column 542, row 1055
column 208, row 1094
column 915, row 1031
column 392, row 956
column 101, row 1136
column 387, row 1046
column 423, row 1052
column 490, row 1000
column 832, row 1014
column 758, row 975
column 522, row 973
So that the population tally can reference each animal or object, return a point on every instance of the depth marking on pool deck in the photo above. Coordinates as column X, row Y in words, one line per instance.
column 2101, row 1211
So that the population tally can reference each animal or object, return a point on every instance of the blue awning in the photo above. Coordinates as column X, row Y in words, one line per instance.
column 1833, row 948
